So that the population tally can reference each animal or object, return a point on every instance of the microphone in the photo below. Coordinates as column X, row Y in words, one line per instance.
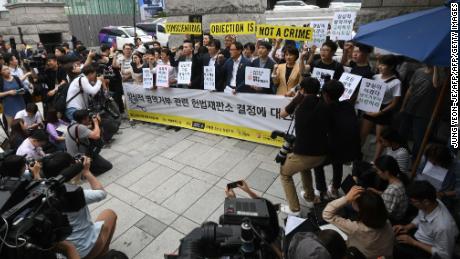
column 69, row 173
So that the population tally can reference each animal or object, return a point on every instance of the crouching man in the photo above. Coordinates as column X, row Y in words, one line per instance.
column 91, row 239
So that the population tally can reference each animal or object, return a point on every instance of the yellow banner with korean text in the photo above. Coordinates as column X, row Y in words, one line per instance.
column 250, row 117
column 184, row 28
column 235, row 28
column 284, row 32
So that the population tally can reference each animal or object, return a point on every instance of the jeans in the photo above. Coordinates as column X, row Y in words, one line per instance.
column 99, row 165
column 415, row 126
column 294, row 164
column 337, row 174
column 69, row 113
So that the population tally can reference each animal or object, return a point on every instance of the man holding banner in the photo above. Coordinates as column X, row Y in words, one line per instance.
column 194, row 76
column 216, row 60
column 234, row 70
column 263, row 61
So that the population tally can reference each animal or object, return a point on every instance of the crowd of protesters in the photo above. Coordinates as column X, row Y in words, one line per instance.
column 390, row 214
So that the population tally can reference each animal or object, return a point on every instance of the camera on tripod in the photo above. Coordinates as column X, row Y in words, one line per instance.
column 286, row 148
column 246, row 230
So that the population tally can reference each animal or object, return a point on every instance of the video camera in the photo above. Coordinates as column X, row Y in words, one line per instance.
column 246, row 230
column 286, row 148
column 31, row 212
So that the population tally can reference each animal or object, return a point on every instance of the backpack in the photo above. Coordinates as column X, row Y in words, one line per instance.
column 60, row 98
column 27, row 96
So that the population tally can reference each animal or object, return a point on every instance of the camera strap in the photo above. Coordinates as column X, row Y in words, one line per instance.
column 79, row 92
column 76, row 138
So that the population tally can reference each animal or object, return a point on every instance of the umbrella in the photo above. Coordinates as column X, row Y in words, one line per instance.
column 423, row 35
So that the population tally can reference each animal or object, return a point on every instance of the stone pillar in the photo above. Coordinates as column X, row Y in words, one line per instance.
column 38, row 17
column 215, row 11
column 375, row 10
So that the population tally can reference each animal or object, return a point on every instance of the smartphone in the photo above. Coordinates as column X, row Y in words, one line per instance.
column 234, row 184
column 20, row 91
column 36, row 70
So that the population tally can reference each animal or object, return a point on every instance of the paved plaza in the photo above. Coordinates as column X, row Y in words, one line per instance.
column 166, row 183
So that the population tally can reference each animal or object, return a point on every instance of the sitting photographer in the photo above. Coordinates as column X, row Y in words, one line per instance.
column 91, row 239
column 80, row 90
column 31, row 116
column 16, row 166
column 80, row 139
column 310, row 146
column 31, row 147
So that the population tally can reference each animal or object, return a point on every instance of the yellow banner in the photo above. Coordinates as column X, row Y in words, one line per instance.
column 217, row 128
column 224, row 28
column 183, row 28
column 284, row 32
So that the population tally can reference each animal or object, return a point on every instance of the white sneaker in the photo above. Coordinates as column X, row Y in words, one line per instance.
column 285, row 209
column 309, row 204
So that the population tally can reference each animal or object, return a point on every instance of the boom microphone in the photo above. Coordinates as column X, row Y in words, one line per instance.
column 69, row 173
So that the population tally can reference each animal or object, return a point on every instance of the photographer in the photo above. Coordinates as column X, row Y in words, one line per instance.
column 31, row 116
column 31, row 147
column 53, row 77
column 310, row 145
column 107, row 63
column 91, row 239
column 81, row 89
column 16, row 166
column 80, row 139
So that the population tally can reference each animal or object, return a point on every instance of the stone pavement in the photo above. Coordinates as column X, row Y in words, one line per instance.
column 166, row 183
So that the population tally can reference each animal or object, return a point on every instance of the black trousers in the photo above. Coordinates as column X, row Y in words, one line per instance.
column 99, row 165
column 320, row 179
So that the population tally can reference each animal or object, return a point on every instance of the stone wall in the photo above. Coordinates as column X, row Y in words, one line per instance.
column 215, row 11
column 36, row 18
column 374, row 10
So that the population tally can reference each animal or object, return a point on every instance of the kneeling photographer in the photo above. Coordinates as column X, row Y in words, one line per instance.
column 80, row 139
column 310, row 145
column 91, row 239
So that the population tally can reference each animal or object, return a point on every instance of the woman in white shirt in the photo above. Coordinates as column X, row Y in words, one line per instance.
column 381, row 119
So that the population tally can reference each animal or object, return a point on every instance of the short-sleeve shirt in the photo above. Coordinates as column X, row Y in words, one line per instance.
column 395, row 200
column 28, row 120
column 423, row 94
column 12, row 103
column 83, row 132
column 84, row 231
column 393, row 88
column 437, row 229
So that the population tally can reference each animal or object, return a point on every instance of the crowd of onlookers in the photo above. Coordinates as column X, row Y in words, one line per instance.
column 392, row 213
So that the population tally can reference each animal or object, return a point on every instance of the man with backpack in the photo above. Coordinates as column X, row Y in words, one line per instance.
column 80, row 90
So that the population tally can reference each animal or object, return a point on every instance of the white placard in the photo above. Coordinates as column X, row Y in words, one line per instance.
column 370, row 95
column 292, row 223
column 320, row 72
column 350, row 82
column 162, row 78
column 209, row 77
column 184, row 73
column 147, row 78
column 342, row 25
column 434, row 174
column 319, row 33
column 255, row 76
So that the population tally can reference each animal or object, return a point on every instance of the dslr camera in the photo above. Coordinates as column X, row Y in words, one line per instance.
column 286, row 148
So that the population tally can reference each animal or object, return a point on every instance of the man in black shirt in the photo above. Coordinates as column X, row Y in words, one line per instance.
column 52, row 79
column 344, row 140
column 310, row 146
column 327, row 52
